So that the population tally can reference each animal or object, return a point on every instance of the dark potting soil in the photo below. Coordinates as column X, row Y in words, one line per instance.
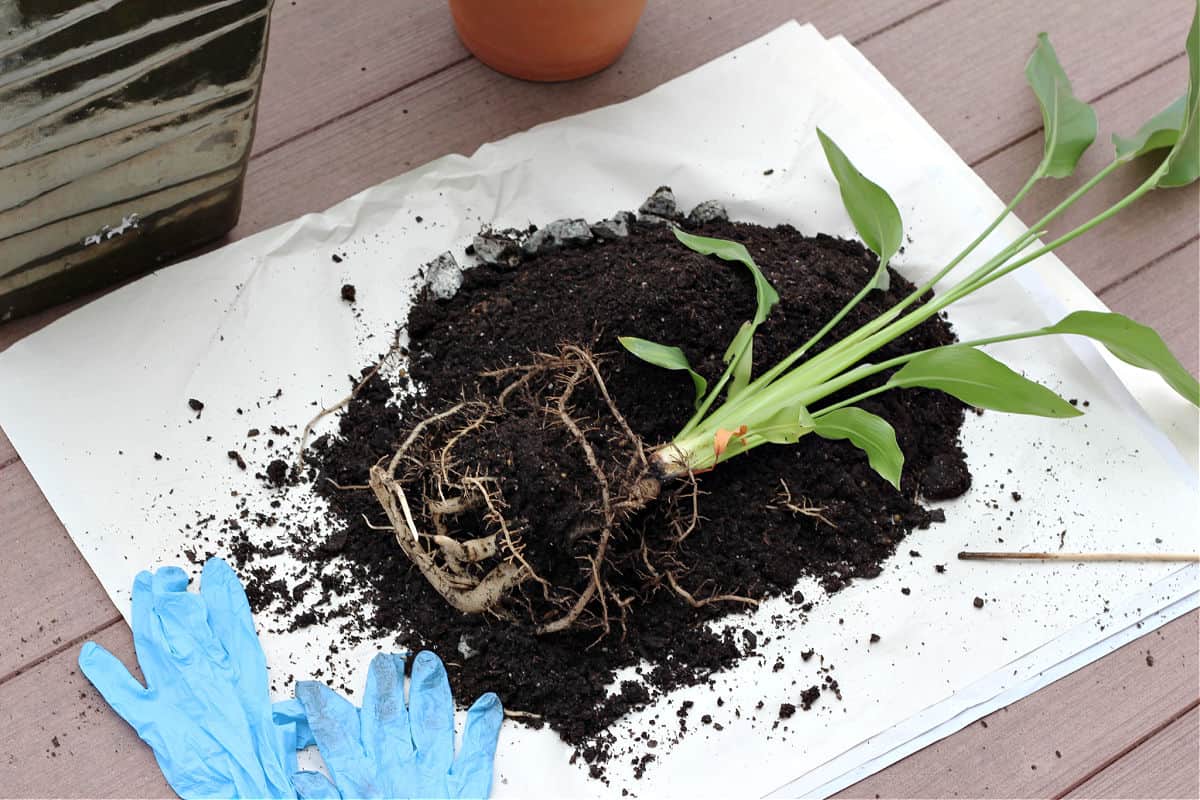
column 769, row 517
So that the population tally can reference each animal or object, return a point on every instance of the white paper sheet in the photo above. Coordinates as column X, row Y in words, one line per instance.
column 89, row 399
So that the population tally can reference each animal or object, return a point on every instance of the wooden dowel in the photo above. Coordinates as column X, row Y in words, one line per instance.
column 970, row 555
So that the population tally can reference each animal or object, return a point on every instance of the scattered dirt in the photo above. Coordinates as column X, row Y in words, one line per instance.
column 767, row 518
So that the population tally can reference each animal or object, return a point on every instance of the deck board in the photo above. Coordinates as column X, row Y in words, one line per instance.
column 1155, row 225
column 97, row 756
column 1046, row 742
column 48, row 594
column 962, row 63
column 1164, row 766
column 327, row 129
column 1166, row 294
column 323, row 63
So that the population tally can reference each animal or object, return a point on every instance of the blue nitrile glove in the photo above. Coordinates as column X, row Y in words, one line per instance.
column 397, row 750
column 206, row 709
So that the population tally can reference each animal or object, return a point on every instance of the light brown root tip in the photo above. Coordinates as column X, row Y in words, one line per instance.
column 719, row 598
column 514, row 714
column 803, row 508
column 345, row 401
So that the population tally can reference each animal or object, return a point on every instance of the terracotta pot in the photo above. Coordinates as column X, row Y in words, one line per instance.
column 546, row 40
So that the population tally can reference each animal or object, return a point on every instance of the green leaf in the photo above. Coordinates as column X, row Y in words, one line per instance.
column 869, row 433
column 1069, row 123
column 1133, row 343
column 785, row 426
column 1161, row 130
column 667, row 357
column 872, row 211
column 1183, row 162
column 740, row 352
column 980, row 380
column 764, row 292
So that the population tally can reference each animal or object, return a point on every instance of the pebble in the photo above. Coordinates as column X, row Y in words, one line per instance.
column 708, row 211
column 558, row 234
column 498, row 249
column 660, row 204
column 444, row 276
column 615, row 227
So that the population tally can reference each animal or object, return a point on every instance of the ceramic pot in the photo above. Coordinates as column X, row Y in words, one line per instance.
column 125, row 130
column 546, row 40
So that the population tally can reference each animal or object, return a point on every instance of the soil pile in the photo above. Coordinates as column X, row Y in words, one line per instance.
column 766, row 518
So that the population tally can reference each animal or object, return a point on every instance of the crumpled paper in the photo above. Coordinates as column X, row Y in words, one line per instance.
column 257, row 332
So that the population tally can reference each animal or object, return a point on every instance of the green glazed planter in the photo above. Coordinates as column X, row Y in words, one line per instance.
column 125, row 129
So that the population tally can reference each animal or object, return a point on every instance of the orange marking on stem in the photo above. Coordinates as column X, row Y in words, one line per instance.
column 722, row 437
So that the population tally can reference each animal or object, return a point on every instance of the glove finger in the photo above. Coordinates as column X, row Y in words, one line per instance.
column 291, row 712
column 472, row 770
column 335, row 726
column 184, row 617
column 431, row 713
column 148, row 639
column 385, row 731
column 314, row 786
column 116, row 685
column 232, row 624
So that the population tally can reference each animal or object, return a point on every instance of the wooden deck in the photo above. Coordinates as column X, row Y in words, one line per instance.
column 357, row 91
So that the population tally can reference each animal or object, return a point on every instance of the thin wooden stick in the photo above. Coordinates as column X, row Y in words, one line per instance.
column 969, row 555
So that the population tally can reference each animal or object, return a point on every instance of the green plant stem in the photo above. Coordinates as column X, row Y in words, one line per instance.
column 879, row 322
column 712, row 395
column 875, row 368
column 827, row 372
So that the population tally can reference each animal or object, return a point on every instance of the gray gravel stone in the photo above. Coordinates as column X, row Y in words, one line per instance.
column 540, row 241
column 443, row 276
column 570, row 232
column 660, row 204
column 615, row 227
column 496, row 248
column 654, row 219
column 708, row 211
column 558, row 234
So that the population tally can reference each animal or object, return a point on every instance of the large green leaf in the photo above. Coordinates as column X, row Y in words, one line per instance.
column 1133, row 343
column 869, row 433
column 764, row 292
column 980, row 380
column 1069, row 123
column 784, row 426
column 667, row 357
column 1183, row 162
column 871, row 209
column 741, row 349
column 1161, row 130
column 741, row 354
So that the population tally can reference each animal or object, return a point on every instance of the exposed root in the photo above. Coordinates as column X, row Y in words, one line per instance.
column 489, row 570
column 353, row 487
column 514, row 714
column 803, row 507
column 717, row 598
column 683, row 531
column 466, row 595
column 345, row 401
column 606, row 508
